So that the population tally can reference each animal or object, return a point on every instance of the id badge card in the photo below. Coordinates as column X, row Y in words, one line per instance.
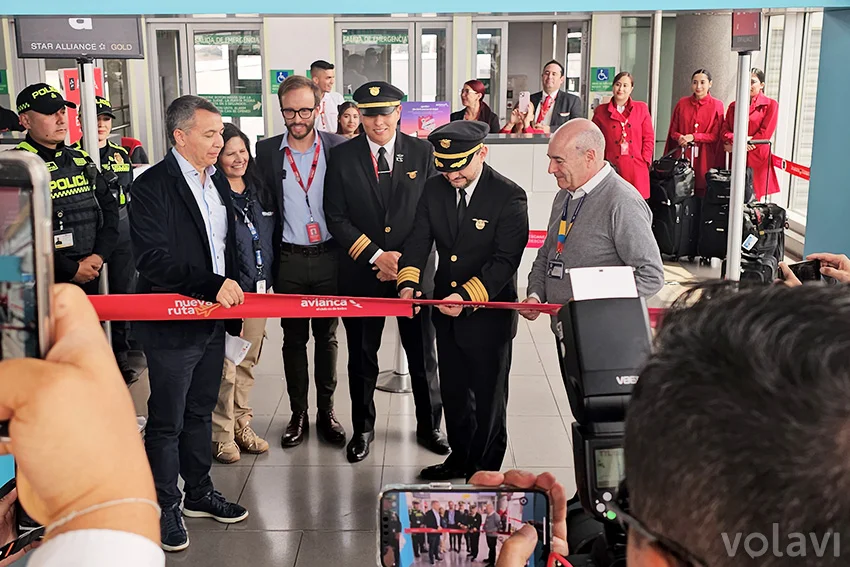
column 555, row 269
column 63, row 239
column 624, row 148
column 261, row 286
column 314, row 233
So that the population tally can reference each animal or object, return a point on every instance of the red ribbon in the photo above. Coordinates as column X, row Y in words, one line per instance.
column 175, row 307
column 794, row 169
column 451, row 531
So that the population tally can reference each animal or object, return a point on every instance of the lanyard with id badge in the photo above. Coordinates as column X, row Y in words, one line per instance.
column 314, row 232
column 258, row 250
column 556, row 266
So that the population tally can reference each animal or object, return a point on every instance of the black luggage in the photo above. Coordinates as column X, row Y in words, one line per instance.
column 675, row 210
column 714, row 220
column 764, row 229
column 759, row 268
column 672, row 178
column 673, row 227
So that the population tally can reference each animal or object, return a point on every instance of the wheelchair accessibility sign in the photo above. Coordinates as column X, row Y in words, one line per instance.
column 601, row 79
column 277, row 77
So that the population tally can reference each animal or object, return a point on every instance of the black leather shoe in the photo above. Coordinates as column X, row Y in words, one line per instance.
column 358, row 447
column 441, row 472
column 330, row 429
column 294, row 434
column 435, row 441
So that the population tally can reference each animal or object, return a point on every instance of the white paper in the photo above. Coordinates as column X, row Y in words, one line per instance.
column 602, row 283
column 235, row 349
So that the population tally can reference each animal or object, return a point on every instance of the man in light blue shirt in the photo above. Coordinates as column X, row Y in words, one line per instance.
column 292, row 167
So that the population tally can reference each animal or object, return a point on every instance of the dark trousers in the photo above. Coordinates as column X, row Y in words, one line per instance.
column 418, row 544
column 434, row 546
column 474, row 386
column 312, row 275
column 417, row 337
column 454, row 539
column 122, row 275
column 474, row 541
column 491, row 543
column 184, row 391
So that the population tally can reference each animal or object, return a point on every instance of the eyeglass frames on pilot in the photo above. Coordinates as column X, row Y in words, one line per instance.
column 617, row 512
column 289, row 113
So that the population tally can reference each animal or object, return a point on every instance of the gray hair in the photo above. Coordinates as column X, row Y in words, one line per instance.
column 181, row 113
column 590, row 138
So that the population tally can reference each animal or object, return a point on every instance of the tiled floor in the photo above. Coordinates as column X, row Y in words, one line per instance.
column 309, row 507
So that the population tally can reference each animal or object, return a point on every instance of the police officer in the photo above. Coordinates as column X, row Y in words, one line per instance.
column 117, row 171
column 417, row 520
column 371, row 189
column 479, row 221
column 85, row 214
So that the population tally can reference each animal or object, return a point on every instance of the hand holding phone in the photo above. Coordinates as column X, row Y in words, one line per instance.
column 524, row 101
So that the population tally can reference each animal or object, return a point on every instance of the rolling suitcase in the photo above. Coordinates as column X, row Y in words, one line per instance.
column 673, row 205
column 714, row 220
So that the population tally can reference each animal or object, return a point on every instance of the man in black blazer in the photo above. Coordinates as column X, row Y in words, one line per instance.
column 434, row 521
column 479, row 221
column 552, row 106
column 293, row 167
column 372, row 187
column 183, row 239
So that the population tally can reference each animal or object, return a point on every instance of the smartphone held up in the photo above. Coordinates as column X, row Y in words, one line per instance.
column 462, row 525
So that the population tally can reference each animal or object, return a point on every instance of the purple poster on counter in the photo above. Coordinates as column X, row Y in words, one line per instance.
column 422, row 118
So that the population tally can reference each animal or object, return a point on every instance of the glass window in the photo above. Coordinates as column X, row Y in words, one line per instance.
column 488, row 58
column 116, row 91
column 433, row 70
column 635, row 48
column 575, row 64
column 806, row 110
column 228, row 72
column 773, row 56
column 376, row 55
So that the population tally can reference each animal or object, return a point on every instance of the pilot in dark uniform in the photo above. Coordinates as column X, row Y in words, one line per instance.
column 372, row 186
column 479, row 221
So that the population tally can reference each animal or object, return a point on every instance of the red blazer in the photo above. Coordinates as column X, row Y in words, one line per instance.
column 763, row 115
column 635, row 125
column 702, row 118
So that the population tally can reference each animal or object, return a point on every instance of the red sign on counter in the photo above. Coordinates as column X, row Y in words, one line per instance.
column 71, row 86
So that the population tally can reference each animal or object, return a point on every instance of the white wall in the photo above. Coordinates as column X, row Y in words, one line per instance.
column 604, row 44
column 293, row 43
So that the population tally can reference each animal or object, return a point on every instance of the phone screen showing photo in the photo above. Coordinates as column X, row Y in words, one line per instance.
column 18, row 304
column 459, row 528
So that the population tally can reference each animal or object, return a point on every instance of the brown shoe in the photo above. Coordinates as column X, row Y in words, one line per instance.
column 226, row 453
column 250, row 442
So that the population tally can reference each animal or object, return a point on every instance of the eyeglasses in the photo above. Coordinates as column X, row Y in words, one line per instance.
column 618, row 508
column 289, row 113
column 467, row 91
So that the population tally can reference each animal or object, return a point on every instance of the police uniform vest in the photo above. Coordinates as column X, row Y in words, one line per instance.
column 76, row 213
column 115, row 158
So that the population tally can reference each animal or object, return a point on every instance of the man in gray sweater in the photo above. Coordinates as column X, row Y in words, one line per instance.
column 598, row 219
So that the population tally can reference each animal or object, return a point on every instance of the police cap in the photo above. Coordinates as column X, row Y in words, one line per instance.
column 103, row 107
column 456, row 142
column 377, row 97
column 41, row 98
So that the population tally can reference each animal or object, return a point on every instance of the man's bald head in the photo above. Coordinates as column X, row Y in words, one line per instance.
column 576, row 153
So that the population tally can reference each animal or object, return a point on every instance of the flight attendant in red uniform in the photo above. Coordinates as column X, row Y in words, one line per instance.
column 629, row 136
column 763, row 115
column 697, row 120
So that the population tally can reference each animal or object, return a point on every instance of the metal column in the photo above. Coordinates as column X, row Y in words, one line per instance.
column 739, row 169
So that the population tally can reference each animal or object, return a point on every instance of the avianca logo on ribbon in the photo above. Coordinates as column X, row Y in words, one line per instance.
column 329, row 304
column 192, row 307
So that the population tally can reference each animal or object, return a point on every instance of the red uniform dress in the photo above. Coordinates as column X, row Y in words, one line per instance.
column 764, row 112
column 629, row 141
column 702, row 118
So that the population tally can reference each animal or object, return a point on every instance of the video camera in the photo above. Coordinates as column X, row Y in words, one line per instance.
column 602, row 345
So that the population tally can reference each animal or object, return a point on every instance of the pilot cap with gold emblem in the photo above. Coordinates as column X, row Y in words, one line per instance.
column 456, row 142
column 377, row 97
